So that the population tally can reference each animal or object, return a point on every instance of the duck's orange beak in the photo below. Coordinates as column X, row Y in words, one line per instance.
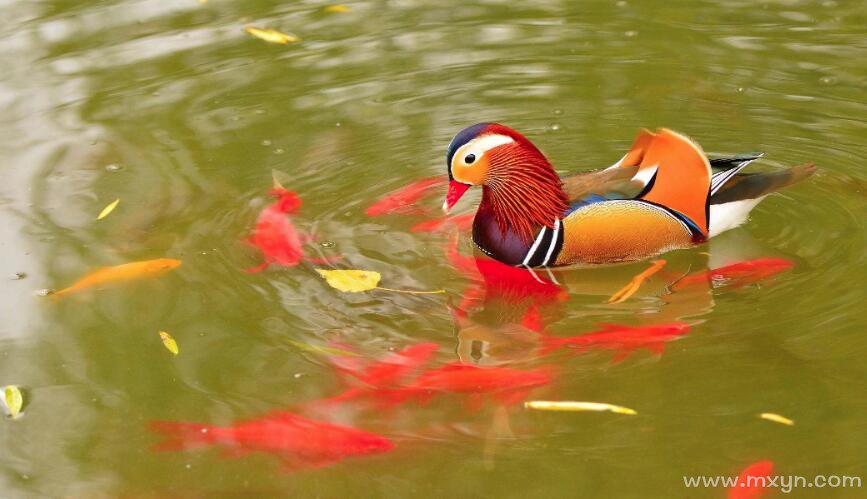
column 456, row 190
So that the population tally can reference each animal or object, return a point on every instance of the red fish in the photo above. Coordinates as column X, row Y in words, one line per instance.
column 276, row 236
column 403, row 199
column 747, row 486
column 505, row 385
column 460, row 222
column 625, row 339
column 301, row 443
column 737, row 274
column 392, row 370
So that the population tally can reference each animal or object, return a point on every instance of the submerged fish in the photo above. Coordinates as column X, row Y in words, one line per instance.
column 750, row 484
column 737, row 274
column 625, row 339
column 124, row 272
column 275, row 234
column 392, row 371
column 505, row 385
column 299, row 442
column 460, row 222
column 404, row 199
column 396, row 369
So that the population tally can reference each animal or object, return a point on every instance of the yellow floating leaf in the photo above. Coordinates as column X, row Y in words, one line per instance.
column 351, row 281
column 271, row 35
column 776, row 418
column 356, row 281
column 337, row 8
column 169, row 342
column 13, row 400
column 322, row 349
column 108, row 209
column 551, row 405
column 626, row 291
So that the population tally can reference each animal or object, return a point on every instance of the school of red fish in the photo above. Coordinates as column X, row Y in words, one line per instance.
column 305, row 436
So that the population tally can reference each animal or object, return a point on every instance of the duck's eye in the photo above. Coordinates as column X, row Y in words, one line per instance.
column 469, row 159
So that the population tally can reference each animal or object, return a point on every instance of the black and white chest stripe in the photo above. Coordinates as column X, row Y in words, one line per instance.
column 546, row 247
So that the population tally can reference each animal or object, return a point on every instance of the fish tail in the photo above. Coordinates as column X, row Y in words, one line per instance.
column 182, row 436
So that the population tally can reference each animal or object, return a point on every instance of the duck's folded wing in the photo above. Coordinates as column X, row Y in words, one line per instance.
column 611, row 182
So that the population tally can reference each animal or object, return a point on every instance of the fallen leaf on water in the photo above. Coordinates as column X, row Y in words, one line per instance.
column 551, row 405
column 337, row 8
column 13, row 400
column 108, row 209
column 169, row 342
column 322, row 349
column 351, row 281
column 356, row 281
column 626, row 291
column 271, row 35
column 776, row 418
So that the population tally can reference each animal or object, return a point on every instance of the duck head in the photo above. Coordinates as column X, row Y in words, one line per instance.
column 518, row 184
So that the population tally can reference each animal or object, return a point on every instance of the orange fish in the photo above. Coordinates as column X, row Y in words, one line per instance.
column 737, row 274
column 125, row 272
column 623, row 339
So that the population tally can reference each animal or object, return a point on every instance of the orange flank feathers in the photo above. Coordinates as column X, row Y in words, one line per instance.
column 680, row 173
column 125, row 272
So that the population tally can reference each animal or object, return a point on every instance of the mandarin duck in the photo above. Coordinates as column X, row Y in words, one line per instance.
column 662, row 195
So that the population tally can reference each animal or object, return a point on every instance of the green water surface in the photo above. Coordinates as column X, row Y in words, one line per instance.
column 171, row 107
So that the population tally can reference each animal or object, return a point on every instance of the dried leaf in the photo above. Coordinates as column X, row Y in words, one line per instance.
column 351, row 281
column 169, row 342
column 626, row 291
column 550, row 405
column 322, row 349
column 108, row 209
column 776, row 418
column 337, row 8
column 271, row 35
column 356, row 281
column 13, row 400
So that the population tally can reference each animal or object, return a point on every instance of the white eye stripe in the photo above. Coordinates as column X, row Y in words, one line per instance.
column 480, row 145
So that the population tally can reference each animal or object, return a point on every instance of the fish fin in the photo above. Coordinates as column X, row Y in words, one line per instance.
column 512, row 397
column 182, row 436
column 657, row 348
column 620, row 357
column 474, row 402
column 257, row 268
column 532, row 320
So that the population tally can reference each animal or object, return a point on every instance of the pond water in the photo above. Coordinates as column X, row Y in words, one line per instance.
column 173, row 109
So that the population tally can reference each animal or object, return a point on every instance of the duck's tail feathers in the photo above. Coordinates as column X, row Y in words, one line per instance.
column 729, row 162
column 732, row 201
column 755, row 185
column 676, row 172
column 732, row 167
